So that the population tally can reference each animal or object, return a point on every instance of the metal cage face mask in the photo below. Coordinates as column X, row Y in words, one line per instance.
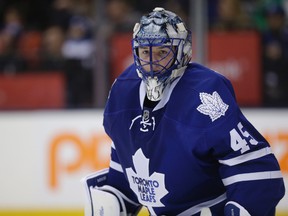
column 157, row 58
column 160, row 29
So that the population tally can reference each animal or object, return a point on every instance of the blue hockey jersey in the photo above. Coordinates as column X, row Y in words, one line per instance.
column 194, row 149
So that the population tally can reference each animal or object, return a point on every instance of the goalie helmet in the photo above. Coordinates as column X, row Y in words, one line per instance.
column 161, row 28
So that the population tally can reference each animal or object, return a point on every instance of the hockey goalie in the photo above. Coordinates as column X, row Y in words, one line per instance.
column 181, row 145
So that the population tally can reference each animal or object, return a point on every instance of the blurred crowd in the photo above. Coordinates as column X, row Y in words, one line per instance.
column 61, row 35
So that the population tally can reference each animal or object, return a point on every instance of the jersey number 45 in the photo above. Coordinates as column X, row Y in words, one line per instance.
column 240, row 139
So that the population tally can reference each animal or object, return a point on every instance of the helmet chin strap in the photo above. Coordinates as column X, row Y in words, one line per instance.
column 155, row 88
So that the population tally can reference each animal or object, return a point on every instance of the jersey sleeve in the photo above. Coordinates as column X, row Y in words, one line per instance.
column 248, row 168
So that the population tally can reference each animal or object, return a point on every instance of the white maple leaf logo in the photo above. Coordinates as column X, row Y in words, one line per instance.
column 212, row 105
column 148, row 188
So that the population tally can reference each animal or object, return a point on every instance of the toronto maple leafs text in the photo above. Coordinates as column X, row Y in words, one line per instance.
column 146, row 188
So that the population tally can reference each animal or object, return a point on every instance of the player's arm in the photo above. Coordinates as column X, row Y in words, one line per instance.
column 249, row 169
column 247, row 165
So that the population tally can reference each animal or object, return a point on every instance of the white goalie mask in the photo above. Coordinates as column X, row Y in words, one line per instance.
column 161, row 29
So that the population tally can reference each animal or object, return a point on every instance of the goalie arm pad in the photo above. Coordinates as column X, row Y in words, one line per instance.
column 102, row 199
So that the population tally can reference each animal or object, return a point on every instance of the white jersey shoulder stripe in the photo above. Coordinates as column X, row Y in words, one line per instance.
column 196, row 209
column 247, row 157
column 252, row 177
column 116, row 166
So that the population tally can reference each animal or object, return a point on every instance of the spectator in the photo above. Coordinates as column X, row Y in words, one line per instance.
column 78, row 44
column 120, row 15
column 230, row 16
column 29, row 48
column 259, row 11
column 51, row 49
column 275, row 57
column 77, row 50
column 10, row 34
column 61, row 13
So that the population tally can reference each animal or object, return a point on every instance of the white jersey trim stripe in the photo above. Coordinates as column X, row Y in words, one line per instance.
column 113, row 146
column 252, row 177
column 243, row 211
column 247, row 157
column 196, row 209
column 116, row 166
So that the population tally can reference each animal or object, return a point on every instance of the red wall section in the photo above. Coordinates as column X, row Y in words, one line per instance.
column 32, row 91
column 236, row 55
